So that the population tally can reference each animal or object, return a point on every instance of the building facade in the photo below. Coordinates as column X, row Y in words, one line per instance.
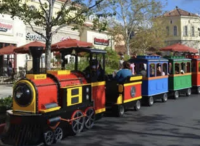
column 182, row 27
column 15, row 32
column 12, row 32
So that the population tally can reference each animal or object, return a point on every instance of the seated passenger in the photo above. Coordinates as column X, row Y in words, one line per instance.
column 123, row 73
column 143, row 71
column 132, row 67
column 159, row 71
column 96, row 71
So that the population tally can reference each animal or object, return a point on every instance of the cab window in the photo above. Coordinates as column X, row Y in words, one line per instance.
column 165, row 68
column 177, row 68
column 188, row 68
column 183, row 67
column 152, row 70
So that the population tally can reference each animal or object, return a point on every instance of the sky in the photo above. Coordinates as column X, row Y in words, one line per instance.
column 192, row 6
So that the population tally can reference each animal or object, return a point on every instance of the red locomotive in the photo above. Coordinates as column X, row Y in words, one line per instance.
column 46, row 107
column 195, row 72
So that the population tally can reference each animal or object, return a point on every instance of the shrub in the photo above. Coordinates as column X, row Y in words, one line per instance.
column 5, row 104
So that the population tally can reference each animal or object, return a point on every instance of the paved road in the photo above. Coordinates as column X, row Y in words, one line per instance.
column 5, row 90
column 175, row 123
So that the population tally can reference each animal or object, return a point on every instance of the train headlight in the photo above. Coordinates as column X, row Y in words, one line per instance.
column 87, row 90
column 87, row 97
column 23, row 95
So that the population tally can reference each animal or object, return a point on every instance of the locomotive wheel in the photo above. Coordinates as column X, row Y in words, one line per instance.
column 176, row 94
column 58, row 134
column 48, row 138
column 165, row 97
column 119, row 110
column 137, row 105
column 150, row 101
column 188, row 93
column 90, row 117
column 198, row 90
column 78, row 124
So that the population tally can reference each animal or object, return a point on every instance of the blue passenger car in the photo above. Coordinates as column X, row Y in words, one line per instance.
column 154, row 70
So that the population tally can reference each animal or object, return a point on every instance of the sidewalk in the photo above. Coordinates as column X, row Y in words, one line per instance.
column 6, row 90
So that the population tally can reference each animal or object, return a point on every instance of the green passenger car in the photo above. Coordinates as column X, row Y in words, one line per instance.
column 180, row 78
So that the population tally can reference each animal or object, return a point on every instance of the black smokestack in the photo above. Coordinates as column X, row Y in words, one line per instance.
column 36, row 53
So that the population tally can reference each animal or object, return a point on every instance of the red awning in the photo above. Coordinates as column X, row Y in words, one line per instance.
column 179, row 48
column 70, row 43
column 25, row 48
column 7, row 50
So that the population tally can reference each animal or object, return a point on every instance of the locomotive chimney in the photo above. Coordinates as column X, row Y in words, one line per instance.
column 36, row 53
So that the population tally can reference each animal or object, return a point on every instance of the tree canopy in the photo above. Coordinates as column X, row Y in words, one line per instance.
column 44, row 14
column 131, row 16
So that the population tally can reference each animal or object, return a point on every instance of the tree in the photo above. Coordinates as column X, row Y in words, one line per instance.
column 130, row 16
column 71, row 13
column 151, row 36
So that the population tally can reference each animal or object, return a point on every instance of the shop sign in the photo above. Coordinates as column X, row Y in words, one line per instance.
column 6, row 27
column 101, row 42
column 34, row 37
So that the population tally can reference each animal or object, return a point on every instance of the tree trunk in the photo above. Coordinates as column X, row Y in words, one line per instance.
column 128, row 47
column 48, row 53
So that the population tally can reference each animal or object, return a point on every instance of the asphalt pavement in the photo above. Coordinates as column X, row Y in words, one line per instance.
column 174, row 123
column 6, row 90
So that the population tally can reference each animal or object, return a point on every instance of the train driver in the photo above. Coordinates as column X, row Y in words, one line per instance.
column 97, row 72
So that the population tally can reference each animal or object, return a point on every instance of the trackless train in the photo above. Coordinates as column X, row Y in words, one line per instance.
column 46, row 107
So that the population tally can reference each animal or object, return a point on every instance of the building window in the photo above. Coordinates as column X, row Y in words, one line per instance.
column 185, row 31
column 192, row 29
column 167, row 29
column 175, row 30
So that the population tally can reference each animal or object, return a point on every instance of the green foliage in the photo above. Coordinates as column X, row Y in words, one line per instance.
column 111, row 60
column 5, row 104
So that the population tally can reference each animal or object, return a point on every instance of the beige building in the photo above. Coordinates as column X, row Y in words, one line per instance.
column 182, row 27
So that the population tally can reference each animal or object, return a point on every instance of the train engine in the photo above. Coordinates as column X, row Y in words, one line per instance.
column 46, row 107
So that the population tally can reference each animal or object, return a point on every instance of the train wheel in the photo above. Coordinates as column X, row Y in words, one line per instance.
column 150, row 101
column 120, row 110
column 165, row 97
column 77, row 125
column 48, row 138
column 58, row 134
column 188, row 93
column 90, row 117
column 198, row 90
column 176, row 94
column 137, row 105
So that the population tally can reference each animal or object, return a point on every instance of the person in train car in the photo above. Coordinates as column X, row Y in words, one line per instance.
column 142, row 70
column 159, row 71
column 124, row 72
column 96, row 69
column 132, row 65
